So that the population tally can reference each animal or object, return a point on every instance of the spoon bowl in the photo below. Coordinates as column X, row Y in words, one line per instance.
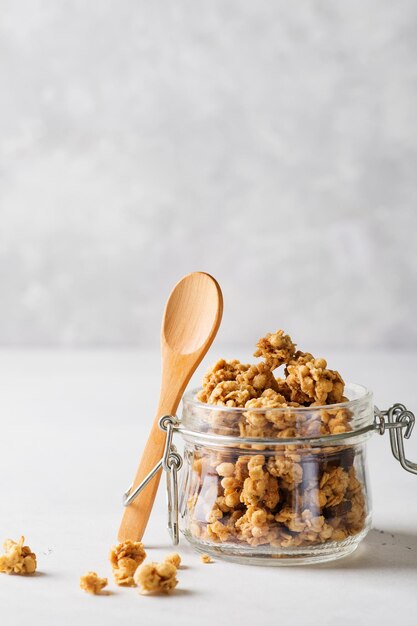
column 189, row 321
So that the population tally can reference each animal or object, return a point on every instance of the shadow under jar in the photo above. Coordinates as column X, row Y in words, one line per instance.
column 276, row 486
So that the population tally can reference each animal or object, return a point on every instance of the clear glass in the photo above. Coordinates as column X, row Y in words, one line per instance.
column 282, row 486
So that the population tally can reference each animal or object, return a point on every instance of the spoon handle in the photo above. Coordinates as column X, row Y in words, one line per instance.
column 136, row 515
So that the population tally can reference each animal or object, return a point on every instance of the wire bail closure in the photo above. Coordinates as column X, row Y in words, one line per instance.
column 171, row 463
column 399, row 422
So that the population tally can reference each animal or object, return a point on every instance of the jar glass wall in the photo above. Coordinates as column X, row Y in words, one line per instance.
column 276, row 486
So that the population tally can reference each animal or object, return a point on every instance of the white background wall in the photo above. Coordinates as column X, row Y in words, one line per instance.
column 273, row 144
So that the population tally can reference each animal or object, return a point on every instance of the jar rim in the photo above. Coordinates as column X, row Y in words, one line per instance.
column 360, row 391
column 195, row 419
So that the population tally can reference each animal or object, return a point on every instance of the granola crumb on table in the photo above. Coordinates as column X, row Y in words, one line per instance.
column 92, row 583
column 174, row 559
column 206, row 558
column 156, row 577
column 17, row 558
column 125, row 559
column 294, row 495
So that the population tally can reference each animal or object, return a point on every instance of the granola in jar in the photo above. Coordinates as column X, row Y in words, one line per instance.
column 92, row 583
column 280, row 496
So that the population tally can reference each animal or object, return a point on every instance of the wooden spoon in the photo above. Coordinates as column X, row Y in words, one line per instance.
column 191, row 320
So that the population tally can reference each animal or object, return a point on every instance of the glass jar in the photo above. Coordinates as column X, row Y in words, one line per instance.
column 275, row 486
column 280, row 486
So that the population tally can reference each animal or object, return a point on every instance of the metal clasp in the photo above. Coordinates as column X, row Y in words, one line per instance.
column 399, row 422
column 171, row 463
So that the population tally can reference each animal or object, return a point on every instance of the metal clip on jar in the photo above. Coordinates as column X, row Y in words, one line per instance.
column 277, row 486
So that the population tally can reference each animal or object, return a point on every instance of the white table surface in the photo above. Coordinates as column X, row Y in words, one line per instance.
column 72, row 428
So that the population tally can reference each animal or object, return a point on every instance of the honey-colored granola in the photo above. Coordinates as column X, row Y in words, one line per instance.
column 288, row 499
column 17, row 558
column 125, row 559
column 174, row 559
column 256, row 379
column 222, row 371
column 311, row 382
column 92, row 583
column 206, row 558
column 156, row 577
column 231, row 393
column 289, row 495
column 275, row 348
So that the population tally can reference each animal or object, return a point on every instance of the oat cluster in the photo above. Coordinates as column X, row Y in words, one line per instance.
column 156, row 577
column 125, row 559
column 174, row 559
column 206, row 558
column 290, row 495
column 92, row 583
column 17, row 558
column 307, row 380
column 129, row 570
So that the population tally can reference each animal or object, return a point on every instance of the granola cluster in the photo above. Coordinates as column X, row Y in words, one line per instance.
column 17, row 558
column 174, row 559
column 311, row 383
column 275, row 348
column 92, row 583
column 291, row 494
column 125, row 559
column 232, row 383
column 307, row 381
column 129, row 570
column 206, row 559
column 156, row 577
